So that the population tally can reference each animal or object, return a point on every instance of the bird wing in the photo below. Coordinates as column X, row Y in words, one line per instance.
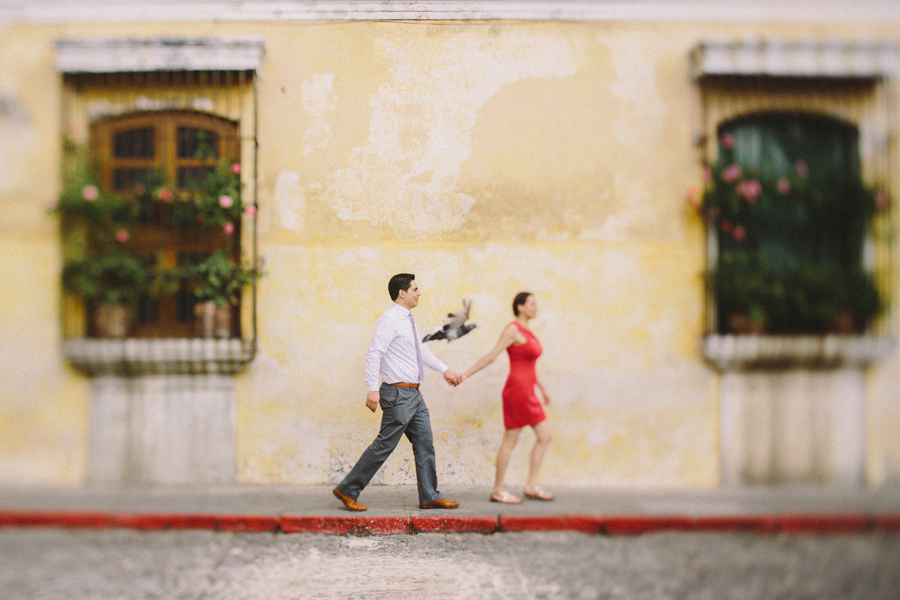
column 435, row 335
column 456, row 319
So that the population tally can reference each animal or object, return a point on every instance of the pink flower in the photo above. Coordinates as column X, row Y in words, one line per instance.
column 714, row 213
column 122, row 236
column 90, row 193
column 165, row 195
column 750, row 190
column 250, row 209
column 739, row 234
column 882, row 200
column 784, row 186
column 225, row 201
column 802, row 168
column 706, row 174
column 726, row 226
column 728, row 140
column 228, row 228
column 236, row 168
column 731, row 173
column 693, row 197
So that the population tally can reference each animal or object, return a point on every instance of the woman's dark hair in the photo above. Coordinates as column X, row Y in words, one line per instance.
column 400, row 281
column 519, row 300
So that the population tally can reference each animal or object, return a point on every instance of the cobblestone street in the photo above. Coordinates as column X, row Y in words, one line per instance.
column 121, row 564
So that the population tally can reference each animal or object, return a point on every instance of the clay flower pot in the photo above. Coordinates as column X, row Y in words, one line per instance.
column 112, row 320
column 212, row 320
column 844, row 324
column 742, row 324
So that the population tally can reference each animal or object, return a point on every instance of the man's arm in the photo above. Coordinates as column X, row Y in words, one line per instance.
column 372, row 400
column 432, row 362
column 381, row 339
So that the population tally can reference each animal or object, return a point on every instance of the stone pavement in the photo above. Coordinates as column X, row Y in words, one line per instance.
column 123, row 564
column 394, row 510
column 93, row 542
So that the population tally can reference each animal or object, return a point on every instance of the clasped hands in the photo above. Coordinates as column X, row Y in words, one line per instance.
column 453, row 378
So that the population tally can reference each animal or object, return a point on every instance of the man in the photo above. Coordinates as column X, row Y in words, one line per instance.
column 398, row 356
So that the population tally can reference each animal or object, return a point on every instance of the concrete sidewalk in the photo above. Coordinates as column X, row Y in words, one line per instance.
column 394, row 509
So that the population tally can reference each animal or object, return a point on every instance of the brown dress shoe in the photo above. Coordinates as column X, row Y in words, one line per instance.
column 349, row 502
column 441, row 503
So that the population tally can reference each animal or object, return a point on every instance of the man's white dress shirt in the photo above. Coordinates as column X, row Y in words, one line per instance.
column 392, row 352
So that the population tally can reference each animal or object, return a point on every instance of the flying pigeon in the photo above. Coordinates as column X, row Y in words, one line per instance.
column 453, row 327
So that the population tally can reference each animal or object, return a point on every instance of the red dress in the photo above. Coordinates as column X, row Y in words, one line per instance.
column 521, row 406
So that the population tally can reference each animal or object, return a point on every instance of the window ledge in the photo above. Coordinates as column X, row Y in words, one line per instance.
column 170, row 356
column 243, row 53
column 736, row 352
column 795, row 58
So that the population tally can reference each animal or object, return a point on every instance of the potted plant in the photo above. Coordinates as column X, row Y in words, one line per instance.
column 790, row 248
column 215, row 201
column 115, row 280
column 84, row 200
column 217, row 283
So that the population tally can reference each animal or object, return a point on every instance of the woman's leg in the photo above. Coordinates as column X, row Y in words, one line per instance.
column 510, row 437
column 542, row 430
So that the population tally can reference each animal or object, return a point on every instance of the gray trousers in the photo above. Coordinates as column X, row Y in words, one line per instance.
column 403, row 411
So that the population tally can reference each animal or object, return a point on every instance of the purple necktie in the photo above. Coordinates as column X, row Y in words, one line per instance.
column 418, row 348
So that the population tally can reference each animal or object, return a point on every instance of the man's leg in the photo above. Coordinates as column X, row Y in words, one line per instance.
column 419, row 433
column 394, row 419
column 378, row 451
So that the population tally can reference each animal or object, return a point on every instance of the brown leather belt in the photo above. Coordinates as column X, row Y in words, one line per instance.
column 406, row 385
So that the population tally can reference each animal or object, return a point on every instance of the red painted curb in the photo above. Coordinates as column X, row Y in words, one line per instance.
column 86, row 520
column 151, row 522
column 889, row 523
column 825, row 523
column 341, row 525
column 248, row 523
column 728, row 524
column 632, row 525
column 532, row 523
column 591, row 524
column 161, row 521
column 344, row 525
column 453, row 524
column 193, row 521
column 580, row 523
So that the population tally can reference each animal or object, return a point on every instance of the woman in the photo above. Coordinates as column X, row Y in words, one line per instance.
column 521, row 407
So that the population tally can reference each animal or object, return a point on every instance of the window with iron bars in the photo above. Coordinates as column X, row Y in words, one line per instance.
column 158, row 208
column 795, row 193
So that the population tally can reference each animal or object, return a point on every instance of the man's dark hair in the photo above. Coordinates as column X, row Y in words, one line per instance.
column 520, row 299
column 400, row 281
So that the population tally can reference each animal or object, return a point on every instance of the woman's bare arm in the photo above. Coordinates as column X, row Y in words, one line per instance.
column 507, row 338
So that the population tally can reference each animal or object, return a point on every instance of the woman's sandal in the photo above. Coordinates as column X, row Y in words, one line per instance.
column 538, row 493
column 505, row 498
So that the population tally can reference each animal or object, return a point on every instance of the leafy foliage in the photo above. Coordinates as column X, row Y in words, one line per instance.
column 219, row 279
column 214, row 202
column 790, row 228
column 113, row 278
column 108, row 269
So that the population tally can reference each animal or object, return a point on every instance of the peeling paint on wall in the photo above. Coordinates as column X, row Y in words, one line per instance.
column 641, row 113
column 543, row 156
column 16, row 140
column 317, row 98
column 420, row 131
column 290, row 201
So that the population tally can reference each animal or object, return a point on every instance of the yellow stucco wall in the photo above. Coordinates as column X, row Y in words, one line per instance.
column 487, row 158
column 43, row 405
